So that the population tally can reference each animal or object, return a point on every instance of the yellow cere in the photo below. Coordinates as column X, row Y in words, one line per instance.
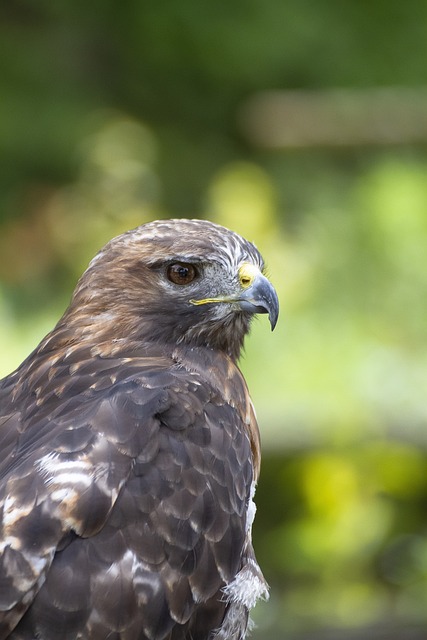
column 247, row 274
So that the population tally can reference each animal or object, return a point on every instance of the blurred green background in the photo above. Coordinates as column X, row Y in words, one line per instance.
column 303, row 126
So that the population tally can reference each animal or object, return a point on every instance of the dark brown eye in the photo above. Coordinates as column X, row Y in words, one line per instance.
column 181, row 273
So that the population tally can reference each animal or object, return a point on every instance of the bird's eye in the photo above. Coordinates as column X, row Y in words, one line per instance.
column 181, row 273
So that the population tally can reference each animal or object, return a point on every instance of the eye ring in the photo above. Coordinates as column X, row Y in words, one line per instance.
column 181, row 273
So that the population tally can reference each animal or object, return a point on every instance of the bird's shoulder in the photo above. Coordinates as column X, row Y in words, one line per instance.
column 71, row 403
column 96, row 443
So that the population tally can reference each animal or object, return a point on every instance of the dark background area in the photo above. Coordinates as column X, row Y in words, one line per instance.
column 302, row 126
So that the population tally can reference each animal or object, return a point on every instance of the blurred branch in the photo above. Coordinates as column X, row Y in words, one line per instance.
column 336, row 118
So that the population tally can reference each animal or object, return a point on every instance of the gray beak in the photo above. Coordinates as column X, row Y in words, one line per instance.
column 261, row 297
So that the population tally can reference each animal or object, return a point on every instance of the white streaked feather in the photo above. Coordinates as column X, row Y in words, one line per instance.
column 64, row 472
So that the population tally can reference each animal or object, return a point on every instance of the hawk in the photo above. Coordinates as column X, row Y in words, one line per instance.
column 129, row 448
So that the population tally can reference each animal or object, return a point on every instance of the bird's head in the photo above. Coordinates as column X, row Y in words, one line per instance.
column 175, row 281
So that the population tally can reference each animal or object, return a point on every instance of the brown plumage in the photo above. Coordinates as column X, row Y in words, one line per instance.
column 129, row 449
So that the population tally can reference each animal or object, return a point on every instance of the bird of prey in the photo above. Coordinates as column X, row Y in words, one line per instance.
column 129, row 448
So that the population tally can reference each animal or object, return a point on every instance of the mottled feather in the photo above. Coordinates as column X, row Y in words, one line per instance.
column 129, row 451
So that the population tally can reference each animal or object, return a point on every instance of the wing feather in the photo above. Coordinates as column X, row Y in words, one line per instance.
column 129, row 485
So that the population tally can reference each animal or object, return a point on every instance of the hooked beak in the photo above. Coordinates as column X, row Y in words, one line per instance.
column 260, row 297
column 257, row 294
